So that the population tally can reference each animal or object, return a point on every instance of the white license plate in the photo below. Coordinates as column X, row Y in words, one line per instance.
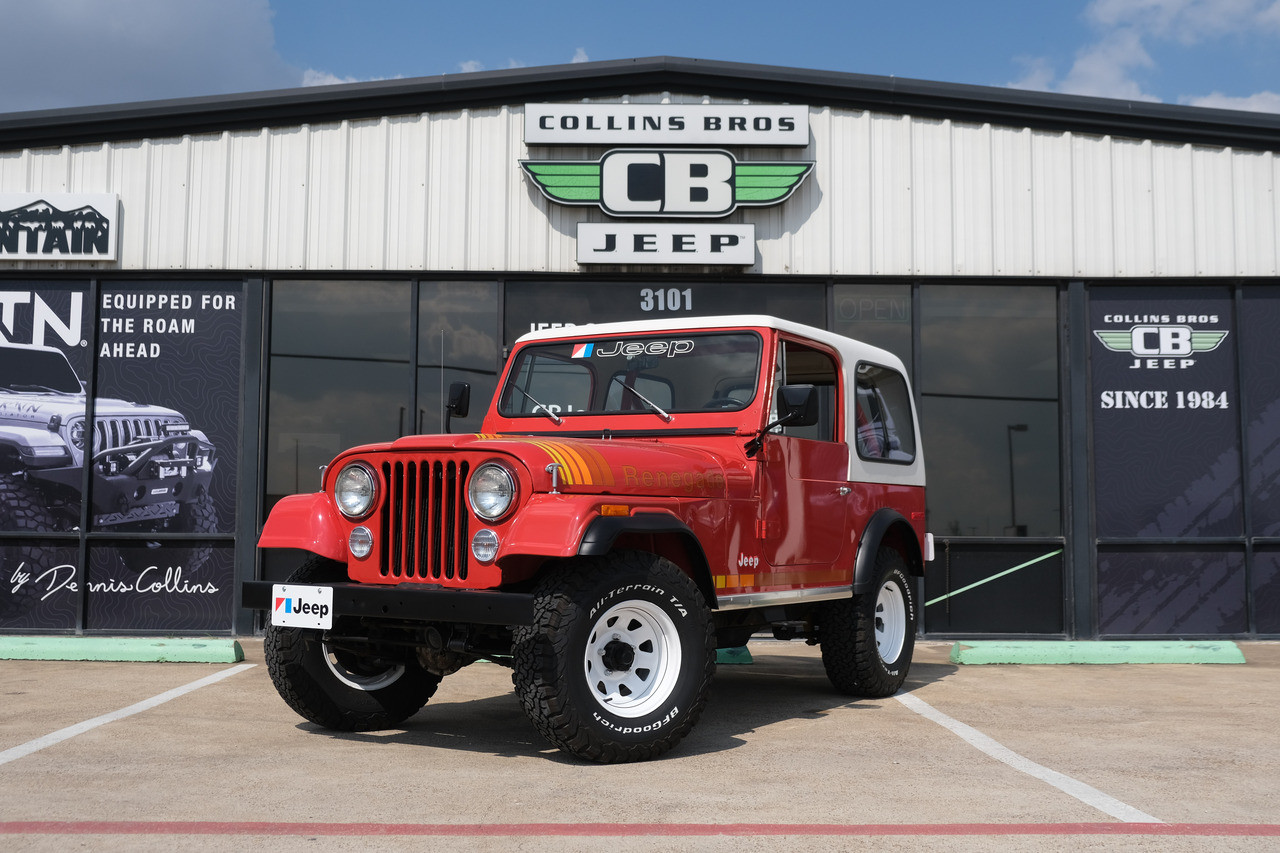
column 295, row 606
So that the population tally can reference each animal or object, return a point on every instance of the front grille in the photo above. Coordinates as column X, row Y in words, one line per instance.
column 110, row 433
column 424, row 520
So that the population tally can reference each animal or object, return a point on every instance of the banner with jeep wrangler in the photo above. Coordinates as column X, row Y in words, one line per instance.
column 118, row 423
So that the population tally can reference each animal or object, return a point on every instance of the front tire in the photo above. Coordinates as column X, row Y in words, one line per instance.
column 619, row 660
column 867, row 641
column 337, row 688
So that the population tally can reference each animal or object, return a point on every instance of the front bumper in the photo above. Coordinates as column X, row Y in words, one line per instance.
column 412, row 602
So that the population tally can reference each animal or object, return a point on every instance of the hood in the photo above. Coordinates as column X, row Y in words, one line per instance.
column 39, row 408
column 621, row 466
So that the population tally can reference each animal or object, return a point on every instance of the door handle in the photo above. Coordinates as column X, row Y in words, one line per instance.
column 843, row 490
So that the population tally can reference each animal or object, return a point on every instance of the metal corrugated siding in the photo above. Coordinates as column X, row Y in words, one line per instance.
column 891, row 195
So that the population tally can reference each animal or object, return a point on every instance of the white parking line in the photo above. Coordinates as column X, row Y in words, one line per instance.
column 1086, row 794
column 145, row 705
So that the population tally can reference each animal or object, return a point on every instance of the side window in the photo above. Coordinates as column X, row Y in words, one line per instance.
column 884, row 428
column 803, row 365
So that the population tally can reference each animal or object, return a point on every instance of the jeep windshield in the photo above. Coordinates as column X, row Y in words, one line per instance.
column 29, row 370
column 661, row 376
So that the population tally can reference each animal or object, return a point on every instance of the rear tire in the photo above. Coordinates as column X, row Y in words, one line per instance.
column 339, row 689
column 867, row 641
column 619, row 660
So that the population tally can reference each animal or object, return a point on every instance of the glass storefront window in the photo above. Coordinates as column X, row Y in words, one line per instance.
column 457, row 342
column 877, row 314
column 988, row 382
column 534, row 305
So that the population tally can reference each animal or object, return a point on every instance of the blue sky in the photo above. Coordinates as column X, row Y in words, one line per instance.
column 69, row 53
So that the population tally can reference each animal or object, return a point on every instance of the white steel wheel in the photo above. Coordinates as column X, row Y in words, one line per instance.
column 349, row 670
column 890, row 621
column 632, row 658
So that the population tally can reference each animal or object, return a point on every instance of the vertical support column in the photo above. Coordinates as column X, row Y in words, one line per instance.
column 1081, row 551
column 252, row 473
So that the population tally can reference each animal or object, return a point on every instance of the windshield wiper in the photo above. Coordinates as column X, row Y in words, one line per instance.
column 539, row 406
column 36, row 388
column 657, row 410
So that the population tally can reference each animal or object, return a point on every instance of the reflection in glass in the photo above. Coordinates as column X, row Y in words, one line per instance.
column 457, row 342
column 321, row 407
column 876, row 314
column 341, row 319
column 539, row 305
column 989, row 392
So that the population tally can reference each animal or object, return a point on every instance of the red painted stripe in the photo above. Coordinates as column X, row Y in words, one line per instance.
column 126, row 827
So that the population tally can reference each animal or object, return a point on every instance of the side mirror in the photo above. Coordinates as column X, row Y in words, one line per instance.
column 798, row 405
column 459, row 402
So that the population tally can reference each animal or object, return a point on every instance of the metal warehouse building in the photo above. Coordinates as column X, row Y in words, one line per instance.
column 1085, row 291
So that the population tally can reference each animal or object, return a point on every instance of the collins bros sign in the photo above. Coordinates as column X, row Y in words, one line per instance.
column 678, row 183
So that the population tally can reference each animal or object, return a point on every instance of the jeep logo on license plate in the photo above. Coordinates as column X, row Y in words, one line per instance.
column 294, row 606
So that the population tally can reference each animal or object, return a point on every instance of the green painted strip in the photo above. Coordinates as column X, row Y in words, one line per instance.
column 564, row 168
column 575, row 193
column 751, row 169
column 768, row 181
column 738, row 654
column 570, row 180
column 979, row 652
column 208, row 650
column 993, row 577
column 759, row 194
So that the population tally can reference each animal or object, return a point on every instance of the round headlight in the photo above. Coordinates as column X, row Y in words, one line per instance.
column 492, row 490
column 354, row 490
column 77, row 435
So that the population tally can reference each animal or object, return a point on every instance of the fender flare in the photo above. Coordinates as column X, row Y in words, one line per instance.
column 884, row 524
column 603, row 532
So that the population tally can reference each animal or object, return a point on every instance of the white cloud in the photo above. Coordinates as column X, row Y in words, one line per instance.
column 1262, row 102
column 470, row 66
column 580, row 55
column 109, row 51
column 1106, row 69
column 312, row 77
column 1114, row 64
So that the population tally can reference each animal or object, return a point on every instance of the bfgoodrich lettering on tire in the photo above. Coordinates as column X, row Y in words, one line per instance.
column 336, row 686
column 867, row 641
column 618, row 662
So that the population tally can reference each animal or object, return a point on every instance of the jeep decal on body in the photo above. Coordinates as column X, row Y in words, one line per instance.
column 641, row 495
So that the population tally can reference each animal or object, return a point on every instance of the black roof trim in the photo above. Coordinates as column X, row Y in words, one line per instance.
column 287, row 107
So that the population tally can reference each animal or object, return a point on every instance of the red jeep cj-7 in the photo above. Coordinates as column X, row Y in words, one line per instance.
column 642, row 494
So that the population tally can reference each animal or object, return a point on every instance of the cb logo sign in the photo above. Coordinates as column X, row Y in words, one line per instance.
column 671, row 183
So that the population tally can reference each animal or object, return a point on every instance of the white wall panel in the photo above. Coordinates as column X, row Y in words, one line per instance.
column 931, row 188
column 1253, row 217
column 972, row 226
column 1091, row 207
column 248, row 198
column 890, row 195
column 1172, row 202
column 288, row 171
column 1012, row 212
column 1134, row 238
column 1053, row 208
column 891, row 214
column 1213, row 212
column 208, row 193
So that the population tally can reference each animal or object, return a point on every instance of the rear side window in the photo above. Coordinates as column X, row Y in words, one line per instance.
column 884, row 430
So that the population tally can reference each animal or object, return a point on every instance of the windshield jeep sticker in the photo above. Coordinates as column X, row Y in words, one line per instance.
column 630, row 349
column 670, row 183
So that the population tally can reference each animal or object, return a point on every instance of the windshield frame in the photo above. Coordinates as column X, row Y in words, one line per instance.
column 644, row 353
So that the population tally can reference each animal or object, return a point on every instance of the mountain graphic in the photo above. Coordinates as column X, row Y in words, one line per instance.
column 80, row 231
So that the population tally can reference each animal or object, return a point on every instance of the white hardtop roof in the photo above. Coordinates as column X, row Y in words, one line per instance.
column 849, row 349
